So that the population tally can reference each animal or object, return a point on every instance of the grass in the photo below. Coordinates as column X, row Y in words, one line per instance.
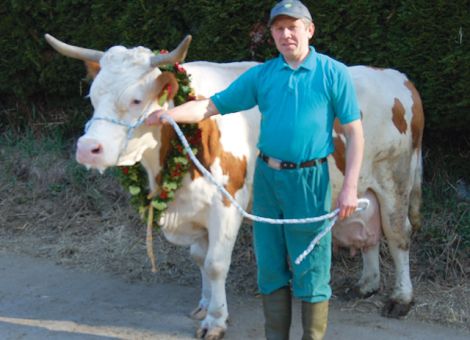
column 444, row 240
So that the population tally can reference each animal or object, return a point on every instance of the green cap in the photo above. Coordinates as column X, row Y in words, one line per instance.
column 290, row 8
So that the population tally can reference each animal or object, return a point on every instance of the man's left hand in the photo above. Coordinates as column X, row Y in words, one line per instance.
column 347, row 203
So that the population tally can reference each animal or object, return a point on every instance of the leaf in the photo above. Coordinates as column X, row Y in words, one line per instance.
column 159, row 205
column 134, row 190
column 170, row 186
column 181, row 160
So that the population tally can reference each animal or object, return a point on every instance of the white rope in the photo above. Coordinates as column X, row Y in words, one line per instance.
column 363, row 203
column 330, row 216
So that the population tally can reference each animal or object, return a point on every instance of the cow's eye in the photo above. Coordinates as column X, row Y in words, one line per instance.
column 136, row 101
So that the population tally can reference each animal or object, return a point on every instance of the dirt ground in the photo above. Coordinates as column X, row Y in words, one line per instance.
column 53, row 211
column 43, row 300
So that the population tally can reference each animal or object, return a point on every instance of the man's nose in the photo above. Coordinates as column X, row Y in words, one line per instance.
column 285, row 33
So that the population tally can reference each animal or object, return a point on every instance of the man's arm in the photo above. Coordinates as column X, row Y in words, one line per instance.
column 347, row 199
column 190, row 112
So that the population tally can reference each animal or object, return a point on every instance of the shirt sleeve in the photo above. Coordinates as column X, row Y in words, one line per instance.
column 240, row 95
column 345, row 102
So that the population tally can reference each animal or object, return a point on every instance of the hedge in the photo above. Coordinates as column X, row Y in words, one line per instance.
column 427, row 40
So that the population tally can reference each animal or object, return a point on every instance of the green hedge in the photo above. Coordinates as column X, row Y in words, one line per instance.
column 428, row 40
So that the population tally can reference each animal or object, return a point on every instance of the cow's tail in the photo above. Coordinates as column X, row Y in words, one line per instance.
column 414, row 212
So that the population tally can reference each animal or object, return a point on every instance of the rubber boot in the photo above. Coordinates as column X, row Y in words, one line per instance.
column 314, row 320
column 277, row 309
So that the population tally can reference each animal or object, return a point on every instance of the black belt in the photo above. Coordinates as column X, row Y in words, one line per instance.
column 278, row 164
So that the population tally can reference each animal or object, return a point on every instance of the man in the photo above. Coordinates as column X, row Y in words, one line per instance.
column 299, row 94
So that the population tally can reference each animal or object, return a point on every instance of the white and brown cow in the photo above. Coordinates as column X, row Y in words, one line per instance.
column 127, row 86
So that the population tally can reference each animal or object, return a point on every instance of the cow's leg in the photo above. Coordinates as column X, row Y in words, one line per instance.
column 198, row 252
column 189, row 234
column 401, row 300
column 369, row 283
column 223, row 228
column 397, row 229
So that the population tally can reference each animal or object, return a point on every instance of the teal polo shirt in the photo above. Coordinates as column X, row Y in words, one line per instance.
column 298, row 106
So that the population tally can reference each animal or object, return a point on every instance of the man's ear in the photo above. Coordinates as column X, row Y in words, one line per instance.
column 311, row 30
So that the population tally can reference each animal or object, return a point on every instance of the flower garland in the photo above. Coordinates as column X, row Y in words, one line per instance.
column 134, row 178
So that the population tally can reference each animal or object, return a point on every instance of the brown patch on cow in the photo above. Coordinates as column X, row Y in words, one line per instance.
column 210, row 149
column 339, row 155
column 236, row 169
column 399, row 116
column 92, row 69
column 163, row 81
column 417, row 122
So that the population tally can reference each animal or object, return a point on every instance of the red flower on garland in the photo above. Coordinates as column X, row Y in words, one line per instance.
column 163, row 195
column 125, row 170
column 196, row 138
column 168, row 89
column 179, row 68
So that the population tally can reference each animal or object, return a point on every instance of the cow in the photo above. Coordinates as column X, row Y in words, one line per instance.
column 127, row 85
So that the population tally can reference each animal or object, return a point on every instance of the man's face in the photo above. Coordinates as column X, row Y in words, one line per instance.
column 292, row 37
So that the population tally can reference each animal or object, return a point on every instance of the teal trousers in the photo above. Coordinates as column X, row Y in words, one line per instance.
column 296, row 193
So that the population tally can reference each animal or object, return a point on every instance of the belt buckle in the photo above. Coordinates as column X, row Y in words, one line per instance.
column 274, row 163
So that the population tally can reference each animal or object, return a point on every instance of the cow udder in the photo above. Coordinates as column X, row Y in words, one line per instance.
column 360, row 231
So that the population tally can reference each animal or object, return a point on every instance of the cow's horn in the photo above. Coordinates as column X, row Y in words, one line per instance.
column 73, row 51
column 175, row 56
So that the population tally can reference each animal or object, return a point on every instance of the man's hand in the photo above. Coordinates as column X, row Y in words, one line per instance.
column 346, row 202
column 155, row 118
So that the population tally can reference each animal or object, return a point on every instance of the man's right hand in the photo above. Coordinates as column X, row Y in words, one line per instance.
column 154, row 118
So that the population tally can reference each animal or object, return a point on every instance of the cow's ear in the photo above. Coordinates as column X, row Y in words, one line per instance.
column 167, row 81
column 92, row 68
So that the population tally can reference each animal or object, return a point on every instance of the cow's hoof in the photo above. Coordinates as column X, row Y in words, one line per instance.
column 216, row 333
column 354, row 293
column 201, row 333
column 198, row 314
column 396, row 309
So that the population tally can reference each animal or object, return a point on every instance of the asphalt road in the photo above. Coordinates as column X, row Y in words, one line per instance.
column 41, row 300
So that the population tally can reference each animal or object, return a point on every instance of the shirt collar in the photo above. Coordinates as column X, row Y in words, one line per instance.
column 308, row 63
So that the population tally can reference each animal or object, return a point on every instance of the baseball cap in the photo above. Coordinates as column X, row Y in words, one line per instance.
column 291, row 8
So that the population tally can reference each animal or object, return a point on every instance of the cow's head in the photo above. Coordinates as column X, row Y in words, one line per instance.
column 126, row 88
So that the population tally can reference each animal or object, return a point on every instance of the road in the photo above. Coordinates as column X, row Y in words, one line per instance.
column 41, row 300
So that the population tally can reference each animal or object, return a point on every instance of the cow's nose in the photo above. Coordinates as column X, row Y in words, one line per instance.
column 88, row 151
column 97, row 149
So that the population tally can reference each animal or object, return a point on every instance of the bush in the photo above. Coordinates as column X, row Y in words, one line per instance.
column 424, row 39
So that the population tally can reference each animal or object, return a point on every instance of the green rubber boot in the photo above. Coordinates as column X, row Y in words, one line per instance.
column 277, row 309
column 314, row 320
